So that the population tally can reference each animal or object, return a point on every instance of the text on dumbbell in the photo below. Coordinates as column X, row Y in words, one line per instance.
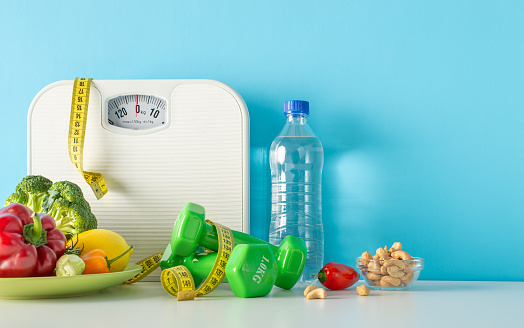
column 261, row 270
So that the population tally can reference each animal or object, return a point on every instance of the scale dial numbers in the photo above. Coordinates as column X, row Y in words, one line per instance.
column 136, row 112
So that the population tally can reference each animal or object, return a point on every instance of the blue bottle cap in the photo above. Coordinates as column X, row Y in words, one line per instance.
column 296, row 106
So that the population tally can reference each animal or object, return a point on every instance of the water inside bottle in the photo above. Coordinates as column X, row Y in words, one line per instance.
column 296, row 169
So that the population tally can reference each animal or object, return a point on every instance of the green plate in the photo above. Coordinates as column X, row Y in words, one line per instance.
column 54, row 287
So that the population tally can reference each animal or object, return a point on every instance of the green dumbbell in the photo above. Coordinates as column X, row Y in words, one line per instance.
column 191, row 230
column 251, row 270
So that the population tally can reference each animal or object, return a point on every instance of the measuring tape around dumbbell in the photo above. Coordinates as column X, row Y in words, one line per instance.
column 178, row 281
column 77, row 129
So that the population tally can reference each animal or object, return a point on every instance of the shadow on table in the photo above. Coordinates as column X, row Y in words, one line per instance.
column 294, row 293
column 422, row 286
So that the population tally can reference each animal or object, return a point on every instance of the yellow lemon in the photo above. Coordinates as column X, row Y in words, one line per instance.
column 109, row 241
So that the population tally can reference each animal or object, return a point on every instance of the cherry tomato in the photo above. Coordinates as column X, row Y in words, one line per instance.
column 337, row 276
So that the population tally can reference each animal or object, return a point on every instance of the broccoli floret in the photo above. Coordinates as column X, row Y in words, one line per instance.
column 64, row 189
column 17, row 197
column 71, row 218
column 31, row 192
column 65, row 202
column 69, row 191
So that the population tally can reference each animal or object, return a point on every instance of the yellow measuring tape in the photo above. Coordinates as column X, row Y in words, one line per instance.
column 77, row 130
column 178, row 281
column 149, row 264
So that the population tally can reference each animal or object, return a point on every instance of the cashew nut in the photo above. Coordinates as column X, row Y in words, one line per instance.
column 362, row 290
column 383, row 258
column 407, row 278
column 395, row 271
column 309, row 289
column 383, row 283
column 317, row 293
column 397, row 263
column 410, row 264
column 402, row 255
column 367, row 256
column 381, row 252
column 392, row 281
column 384, row 270
column 374, row 276
column 374, row 266
column 397, row 246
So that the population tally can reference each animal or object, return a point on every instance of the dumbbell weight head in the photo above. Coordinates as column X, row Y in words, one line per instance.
column 290, row 259
column 189, row 228
column 251, row 270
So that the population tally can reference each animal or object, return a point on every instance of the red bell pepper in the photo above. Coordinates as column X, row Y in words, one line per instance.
column 30, row 244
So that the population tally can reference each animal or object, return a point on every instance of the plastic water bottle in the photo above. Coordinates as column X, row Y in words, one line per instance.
column 296, row 158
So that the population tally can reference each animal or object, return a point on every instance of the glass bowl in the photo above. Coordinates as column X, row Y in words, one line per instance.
column 390, row 274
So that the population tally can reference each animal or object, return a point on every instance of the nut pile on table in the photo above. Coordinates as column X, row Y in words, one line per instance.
column 388, row 267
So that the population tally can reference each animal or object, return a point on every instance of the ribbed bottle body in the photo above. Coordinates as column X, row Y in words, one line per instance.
column 296, row 201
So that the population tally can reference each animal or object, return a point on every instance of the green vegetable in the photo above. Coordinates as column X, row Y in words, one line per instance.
column 65, row 190
column 72, row 218
column 17, row 197
column 69, row 265
column 31, row 192
column 63, row 200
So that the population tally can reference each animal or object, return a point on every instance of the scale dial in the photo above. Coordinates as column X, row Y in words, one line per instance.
column 136, row 112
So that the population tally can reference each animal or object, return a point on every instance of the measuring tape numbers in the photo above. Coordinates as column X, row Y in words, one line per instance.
column 77, row 130
column 149, row 264
column 179, row 282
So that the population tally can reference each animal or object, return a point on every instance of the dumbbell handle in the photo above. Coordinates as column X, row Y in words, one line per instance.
column 199, row 269
column 209, row 239
column 191, row 230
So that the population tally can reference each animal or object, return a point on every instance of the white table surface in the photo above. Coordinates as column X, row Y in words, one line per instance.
column 146, row 304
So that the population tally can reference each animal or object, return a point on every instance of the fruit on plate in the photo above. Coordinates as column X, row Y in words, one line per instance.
column 109, row 241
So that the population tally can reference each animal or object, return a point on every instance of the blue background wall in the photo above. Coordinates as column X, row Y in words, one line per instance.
column 419, row 105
